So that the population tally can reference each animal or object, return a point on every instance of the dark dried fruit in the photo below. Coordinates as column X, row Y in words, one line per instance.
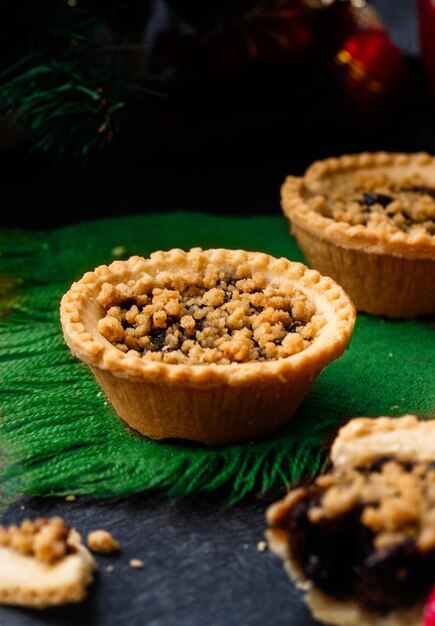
column 338, row 555
column 370, row 199
column 293, row 326
column 158, row 337
column 425, row 191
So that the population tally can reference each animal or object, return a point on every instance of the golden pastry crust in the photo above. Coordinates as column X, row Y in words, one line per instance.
column 212, row 402
column 318, row 182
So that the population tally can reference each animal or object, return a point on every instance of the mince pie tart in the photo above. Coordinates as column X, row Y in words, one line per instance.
column 368, row 220
column 360, row 538
column 215, row 345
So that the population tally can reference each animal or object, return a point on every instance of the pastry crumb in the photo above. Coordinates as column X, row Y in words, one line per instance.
column 136, row 563
column 261, row 546
column 110, row 568
column 102, row 541
column 70, row 498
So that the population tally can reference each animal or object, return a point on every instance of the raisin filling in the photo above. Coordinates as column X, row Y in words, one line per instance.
column 356, row 538
column 330, row 553
column 425, row 191
column 370, row 199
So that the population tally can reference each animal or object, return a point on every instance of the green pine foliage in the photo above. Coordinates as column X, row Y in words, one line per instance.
column 71, row 70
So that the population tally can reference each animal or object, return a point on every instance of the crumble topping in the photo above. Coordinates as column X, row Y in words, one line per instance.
column 363, row 534
column 102, row 541
column 217, row 317
column 44, row 539
column 363, row 439
column 380, row 204
column 397, row 501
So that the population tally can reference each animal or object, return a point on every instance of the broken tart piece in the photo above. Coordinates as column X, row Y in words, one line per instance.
column 43, row 563
column 216, row 345
column 360, row 539
column 368, row 220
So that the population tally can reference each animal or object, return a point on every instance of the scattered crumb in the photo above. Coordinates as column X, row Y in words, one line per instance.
column 102, row 541
column 136, row 563
column 70, row 498
column 110, row 568
column 99, row 394
column 22, row 507
column 390, row 354
column 261, row 546
column 245, row 546
column 396, row 406
column 118, row 251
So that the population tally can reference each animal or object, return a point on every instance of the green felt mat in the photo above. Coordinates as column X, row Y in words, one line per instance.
column 59, row 436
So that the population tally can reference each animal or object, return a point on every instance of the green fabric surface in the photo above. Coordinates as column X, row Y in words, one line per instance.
column 58, row 435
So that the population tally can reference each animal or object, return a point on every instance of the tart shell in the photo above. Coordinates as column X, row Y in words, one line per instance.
column 209, row 403
column 390, row 274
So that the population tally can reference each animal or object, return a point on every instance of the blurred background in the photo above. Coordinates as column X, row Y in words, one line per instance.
column 117, row 107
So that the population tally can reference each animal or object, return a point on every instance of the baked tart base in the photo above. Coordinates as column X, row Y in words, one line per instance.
column 215, row 415
column 383, row 259
column 360, row 539
column 212, row 402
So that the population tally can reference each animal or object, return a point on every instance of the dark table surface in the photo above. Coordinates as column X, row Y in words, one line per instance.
column 202, row 566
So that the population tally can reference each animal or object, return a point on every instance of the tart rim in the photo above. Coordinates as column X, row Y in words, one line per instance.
column 95, row 350
column 296, row 209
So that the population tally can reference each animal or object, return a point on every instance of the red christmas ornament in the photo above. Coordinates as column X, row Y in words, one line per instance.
column 429, row 611
column 427, row 40
column 370, row 67
column 275, row 34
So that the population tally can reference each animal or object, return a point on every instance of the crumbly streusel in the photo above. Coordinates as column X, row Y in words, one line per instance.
column 398, row 501
column 373, row 200
column 215, row 317
column 44, row 539
column 102, row 541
